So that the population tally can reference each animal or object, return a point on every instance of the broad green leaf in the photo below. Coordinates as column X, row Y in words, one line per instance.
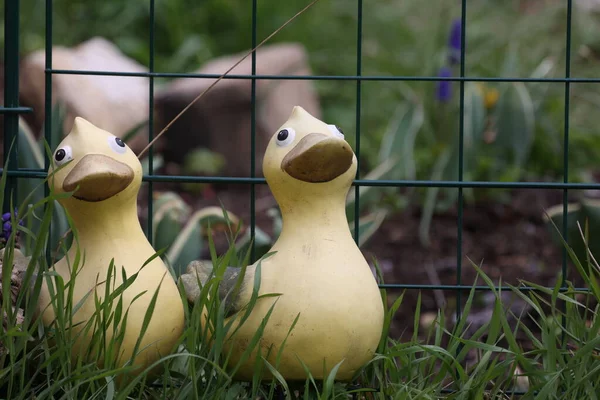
column 431, row 195
column 515, row 122
column 369, row 224
column 585, row 212
column 30, row 154
column 262, row 242
column 474, row 123
column 188, row 244
column 368, row 194
column 170, row 212
column 398, row 141
column 157, row 162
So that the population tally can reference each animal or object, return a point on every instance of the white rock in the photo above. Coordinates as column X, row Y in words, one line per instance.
column 220, row 121
column 116, row 104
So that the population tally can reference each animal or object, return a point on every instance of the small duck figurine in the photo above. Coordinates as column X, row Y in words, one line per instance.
column 105, row 177
column 315, row 264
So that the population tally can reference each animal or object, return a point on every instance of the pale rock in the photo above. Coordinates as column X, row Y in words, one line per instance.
column 221, row 120
column 588, row 5
column 116, row 104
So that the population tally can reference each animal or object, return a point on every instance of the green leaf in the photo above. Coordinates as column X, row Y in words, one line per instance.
column 329, row 382
column 31, row 190
column 188, row 244
column 515, row 122
column 368, row 225
column 59, row 112
column 157, row 162
column 30, row 155
column 430, row 199
column 134, row 131
column 555, row 213
column 399, row 139
column 474, row 122
column 262, row 242
column 511, row 63
column 587, row 211
column 279, row 378
column 201, row 161
column 169, row 216
column 368, row 195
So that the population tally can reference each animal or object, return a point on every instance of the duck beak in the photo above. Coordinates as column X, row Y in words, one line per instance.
column 99, row 177
column 318, row 158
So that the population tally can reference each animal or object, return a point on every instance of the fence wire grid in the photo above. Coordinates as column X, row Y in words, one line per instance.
column 12, row 110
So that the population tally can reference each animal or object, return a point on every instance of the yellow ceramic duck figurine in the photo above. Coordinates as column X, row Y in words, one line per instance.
column 106, row 177
column 317, row 267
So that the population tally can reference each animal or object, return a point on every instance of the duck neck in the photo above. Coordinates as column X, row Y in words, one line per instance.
column 105, row 224
column 320, row 216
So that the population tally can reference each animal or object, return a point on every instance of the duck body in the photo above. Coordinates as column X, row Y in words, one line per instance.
column 104, row 212
column 315, row 265
column 331, row 287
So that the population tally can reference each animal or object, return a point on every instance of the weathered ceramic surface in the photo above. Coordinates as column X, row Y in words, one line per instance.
column 317, row 268
column 105, row 176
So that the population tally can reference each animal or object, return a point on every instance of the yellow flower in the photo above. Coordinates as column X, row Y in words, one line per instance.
column 490, row 97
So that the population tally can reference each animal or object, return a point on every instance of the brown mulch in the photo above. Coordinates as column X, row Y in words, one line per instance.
column 510, row 242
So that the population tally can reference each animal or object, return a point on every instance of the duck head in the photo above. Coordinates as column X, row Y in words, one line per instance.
column 98, row 167
column 308, row 159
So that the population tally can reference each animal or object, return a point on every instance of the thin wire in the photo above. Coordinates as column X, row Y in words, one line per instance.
column 460, row 288
column 48, row 112
column 461, row 131
column 381, row 78
column 566, row 158
column 11, row 96
column 253, row 135
column 358, row 119
column 40, row 174
column 150, row 213
column 223, row 75
column 16, row 110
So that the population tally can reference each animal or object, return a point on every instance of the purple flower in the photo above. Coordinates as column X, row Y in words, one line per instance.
column 7, row 226
column 444, row 88
column 454, row 42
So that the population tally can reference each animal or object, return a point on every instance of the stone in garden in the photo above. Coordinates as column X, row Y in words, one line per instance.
column 113, row 103
column 20, row 263
column 588, row 5
column 220, row 120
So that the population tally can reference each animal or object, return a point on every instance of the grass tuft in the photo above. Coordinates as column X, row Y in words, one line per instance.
column 551, row 351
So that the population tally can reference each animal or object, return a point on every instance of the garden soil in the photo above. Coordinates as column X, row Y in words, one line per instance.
column 508, row 239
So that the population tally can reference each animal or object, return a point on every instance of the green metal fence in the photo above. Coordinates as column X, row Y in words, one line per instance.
column 12, row 110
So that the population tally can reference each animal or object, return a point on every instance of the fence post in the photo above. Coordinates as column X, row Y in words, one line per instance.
column 11, row 94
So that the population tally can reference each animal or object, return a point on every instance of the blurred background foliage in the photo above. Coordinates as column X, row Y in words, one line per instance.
column 512, row 130
column 400, row 38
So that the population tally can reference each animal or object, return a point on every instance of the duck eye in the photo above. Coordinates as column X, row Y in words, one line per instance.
column 336, row 131
column 60, row 154
column 285, row 136
column 63, row 155
column 117, row 144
